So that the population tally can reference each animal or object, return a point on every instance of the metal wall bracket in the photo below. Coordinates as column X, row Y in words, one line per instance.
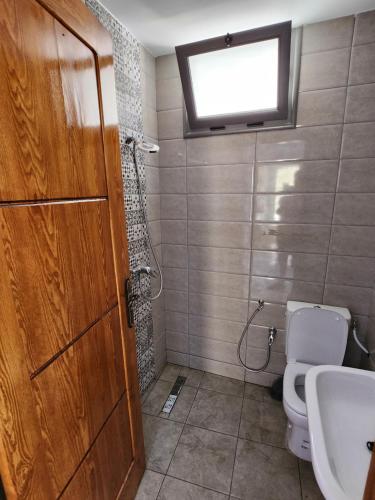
column 130, row 297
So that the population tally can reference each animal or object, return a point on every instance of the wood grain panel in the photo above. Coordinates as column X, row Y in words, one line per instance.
column 76, row 394
column 369, row 493
column 58, row 264
column 50, row 126
column 101, row 474
column 31, row 51
column 22, row 459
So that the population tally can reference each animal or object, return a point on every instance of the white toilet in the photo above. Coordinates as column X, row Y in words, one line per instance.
column 315, row 335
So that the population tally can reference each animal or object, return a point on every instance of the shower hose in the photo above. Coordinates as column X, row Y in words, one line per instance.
column 133, row 148
column 271, row 337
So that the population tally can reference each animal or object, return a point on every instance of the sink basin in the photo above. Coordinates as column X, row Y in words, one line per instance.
column 341, row 414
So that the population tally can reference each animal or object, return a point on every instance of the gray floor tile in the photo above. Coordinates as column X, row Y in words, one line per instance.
column 216, row 411
column 174, row 489
column 264, row 472
column 193, row 377
column 157, row 397
column 150, row 485
column 170, row 372
column 222, row 384
column 310, row 488
column 161, row 437
column 257, row 392
column 263, row 422
column 183, row 405
column 205, row 458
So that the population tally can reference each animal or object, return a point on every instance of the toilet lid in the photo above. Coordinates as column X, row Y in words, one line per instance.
column 317, row 336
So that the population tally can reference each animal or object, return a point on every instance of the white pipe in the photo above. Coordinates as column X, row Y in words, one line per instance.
column 358, row 342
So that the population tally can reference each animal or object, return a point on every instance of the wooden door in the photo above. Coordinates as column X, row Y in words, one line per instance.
column 70, row 420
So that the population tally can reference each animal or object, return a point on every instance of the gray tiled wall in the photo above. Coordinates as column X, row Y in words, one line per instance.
column 276, row 215
column 152, row 173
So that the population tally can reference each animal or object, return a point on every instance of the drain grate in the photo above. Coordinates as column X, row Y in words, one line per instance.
column 173, row 395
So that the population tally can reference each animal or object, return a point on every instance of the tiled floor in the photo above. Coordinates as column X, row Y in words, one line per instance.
column 223, row 440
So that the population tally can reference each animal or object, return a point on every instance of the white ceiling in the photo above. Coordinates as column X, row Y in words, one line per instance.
column 160, row 25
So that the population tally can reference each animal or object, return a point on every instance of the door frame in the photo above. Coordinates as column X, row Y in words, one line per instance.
column 76, row 17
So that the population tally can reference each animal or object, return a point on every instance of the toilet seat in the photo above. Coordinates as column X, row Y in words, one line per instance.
column 291, row 398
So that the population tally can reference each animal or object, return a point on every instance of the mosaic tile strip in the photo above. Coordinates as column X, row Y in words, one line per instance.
column 127, row 66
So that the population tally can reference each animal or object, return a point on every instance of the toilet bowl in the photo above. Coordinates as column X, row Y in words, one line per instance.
column 315, row 335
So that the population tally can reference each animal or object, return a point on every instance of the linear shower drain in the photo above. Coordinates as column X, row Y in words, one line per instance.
column 173, row 395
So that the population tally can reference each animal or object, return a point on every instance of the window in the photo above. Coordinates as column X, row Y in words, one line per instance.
column 237, row 80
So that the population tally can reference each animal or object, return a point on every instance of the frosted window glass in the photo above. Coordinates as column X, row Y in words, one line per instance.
column 241, row 79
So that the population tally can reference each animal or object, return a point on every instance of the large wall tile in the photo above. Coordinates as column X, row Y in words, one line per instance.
column 176, row 301
column 217, row 367
column 328, row 35
column 220, row 329
column 360, row 105
column 226, row 260
column 300, row 176
column 172, row 153
column 177, row 341
column 219, row 234
column 173, row 206
column 213, row 349
column 168, row 94
column 355, row 271
column 281, row 290
column 357, row 299
column 222, row 207
column 167, row 67
column 152, row 180
column 221, row 150
column 153, row 207
column 223, row 284
column 150, row 122
column 176, row 322
column 290, row 237
column 173, row 180
column 357, row 176
column 306, row 143
column 220, row 179
column 358, row 140
column 353, row 209
column 218, row 307
column 174, row 255
column 170, row 124
column 177, row 358
column 364, row 31
column 321, row 107
column 298, row 266
column 314, row 74
column 175, row 278
column 353, row 240
column 294, row 208
column 174, row 232
column 362, row 65
column 155, row 230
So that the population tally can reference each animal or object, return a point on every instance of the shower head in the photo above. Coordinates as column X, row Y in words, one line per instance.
column 147, row 147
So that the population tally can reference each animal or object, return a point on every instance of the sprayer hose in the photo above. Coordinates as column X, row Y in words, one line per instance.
column 264, row 366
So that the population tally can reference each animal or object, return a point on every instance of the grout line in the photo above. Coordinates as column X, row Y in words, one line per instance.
column 298, row 252
column 235, row 451
column 338, row 172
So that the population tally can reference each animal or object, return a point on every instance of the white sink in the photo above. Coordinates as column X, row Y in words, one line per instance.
column 341, row 414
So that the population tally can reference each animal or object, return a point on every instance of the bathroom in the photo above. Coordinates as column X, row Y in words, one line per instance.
column 171, row 273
